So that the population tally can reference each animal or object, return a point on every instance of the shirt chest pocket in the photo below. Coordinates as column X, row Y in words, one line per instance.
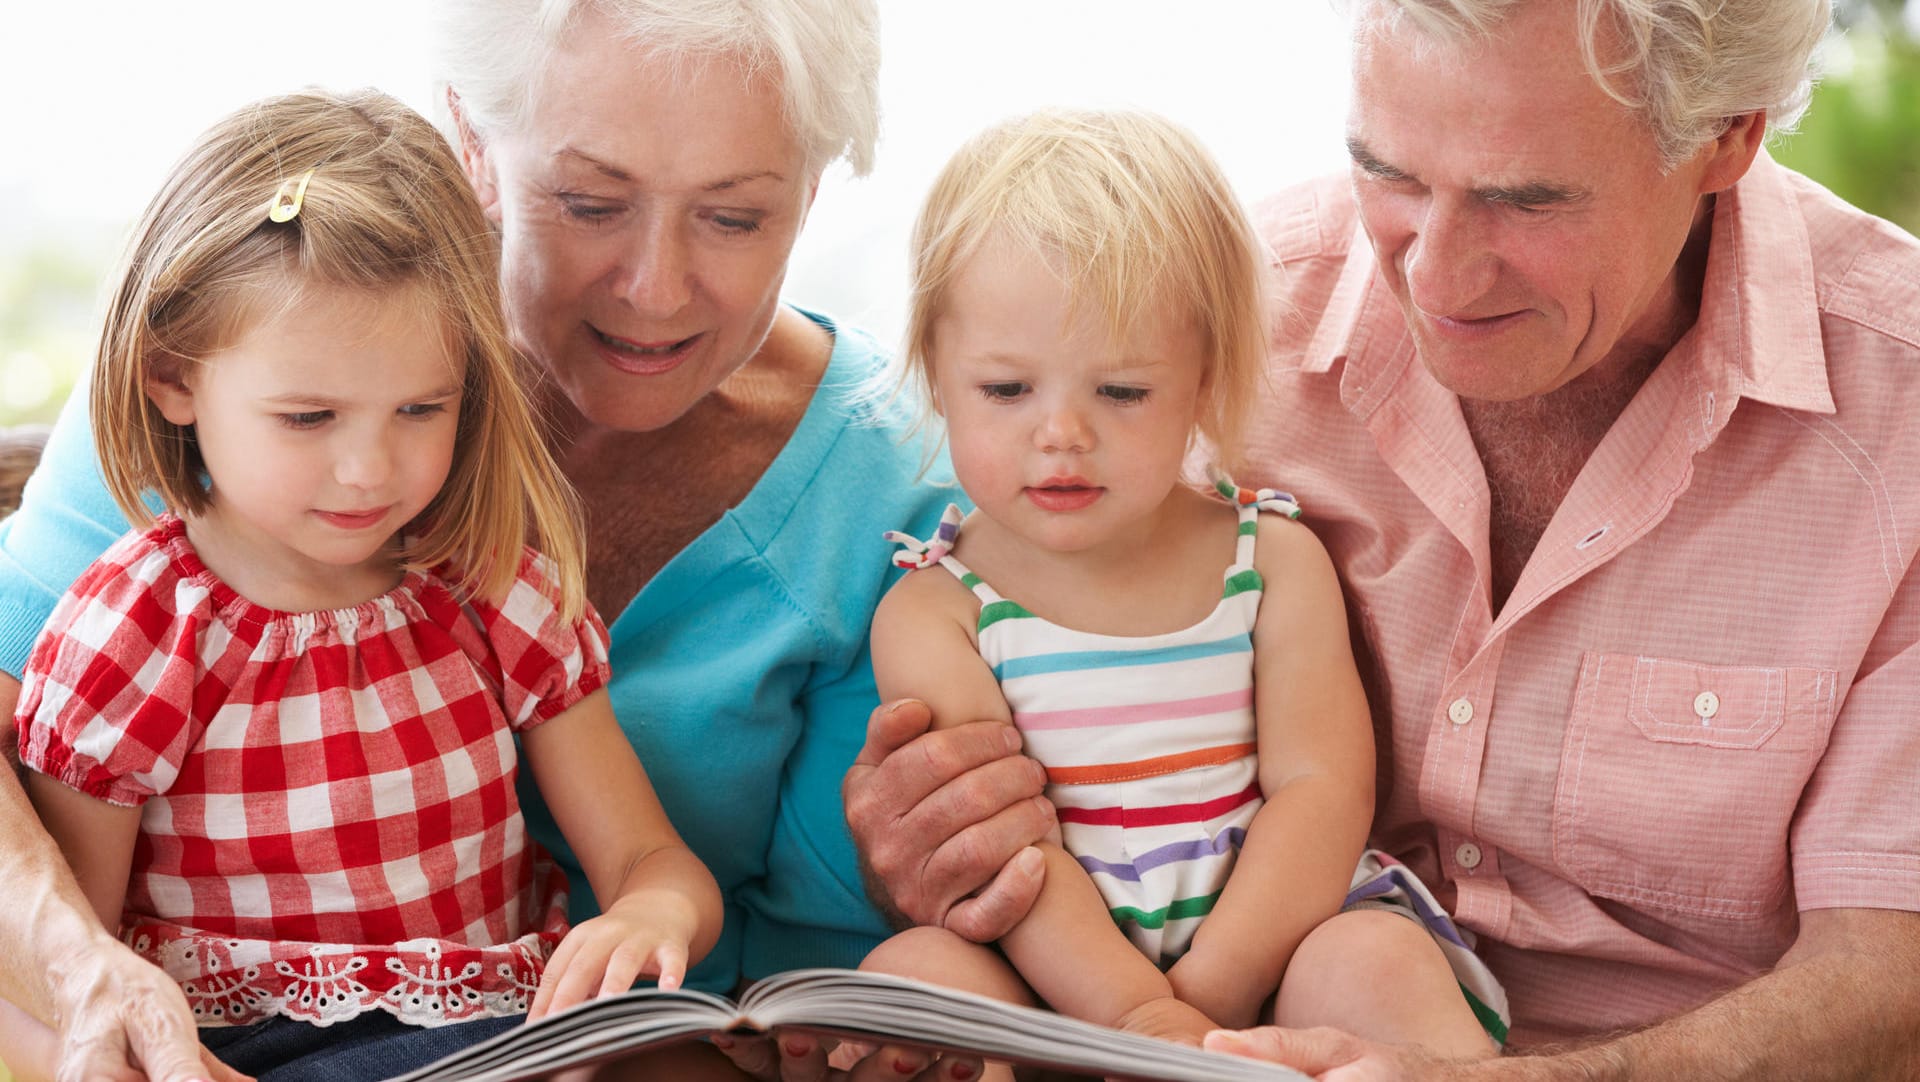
column 1678, row 781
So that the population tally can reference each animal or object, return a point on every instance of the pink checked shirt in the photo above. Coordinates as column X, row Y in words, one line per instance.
column 1699, row 711
column 328, row 820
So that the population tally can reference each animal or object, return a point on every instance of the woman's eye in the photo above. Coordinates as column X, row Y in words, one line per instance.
column 1115, row 392
column 311, row 419
column 584, row 209
column 1003, row 392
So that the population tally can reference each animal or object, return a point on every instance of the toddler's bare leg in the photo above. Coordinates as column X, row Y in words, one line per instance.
column 1378, row 975
column 938, row 956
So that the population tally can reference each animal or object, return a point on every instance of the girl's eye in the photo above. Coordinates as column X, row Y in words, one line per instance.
column 740, row 224
column 1003, row 392
column 423, row 410
column 312, row 419
column 1122, row 394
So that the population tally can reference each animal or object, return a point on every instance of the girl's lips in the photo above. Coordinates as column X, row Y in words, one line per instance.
column 354, row 520
column 1059, row 498
column 642, row 358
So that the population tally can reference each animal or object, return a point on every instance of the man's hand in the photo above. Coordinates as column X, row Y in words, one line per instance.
column 946, row 821
column 1332, row 1055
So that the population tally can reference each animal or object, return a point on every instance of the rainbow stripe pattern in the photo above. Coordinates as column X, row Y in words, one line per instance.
column 1148, row 744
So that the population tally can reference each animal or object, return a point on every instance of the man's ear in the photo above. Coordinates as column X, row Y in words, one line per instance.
column 474, row 160
column 1731, row 153
column 168, row 390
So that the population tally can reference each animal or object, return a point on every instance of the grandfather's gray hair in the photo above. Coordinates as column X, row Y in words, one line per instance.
column 1689, row 66
column 824, row 56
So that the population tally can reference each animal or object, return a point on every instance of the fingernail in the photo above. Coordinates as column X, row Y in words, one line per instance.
column 907, row 1065
column 722, row 1041
column 960, row 1072
column 1010, row 739
column 796, row 1049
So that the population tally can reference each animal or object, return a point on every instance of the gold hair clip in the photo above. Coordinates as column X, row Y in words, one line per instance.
column 286, row 202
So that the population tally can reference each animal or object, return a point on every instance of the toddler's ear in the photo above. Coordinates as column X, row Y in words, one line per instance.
column 168, row 390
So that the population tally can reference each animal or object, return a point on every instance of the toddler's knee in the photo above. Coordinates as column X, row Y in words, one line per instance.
column 1345, row 958
column 922, row 953
column 938, row 956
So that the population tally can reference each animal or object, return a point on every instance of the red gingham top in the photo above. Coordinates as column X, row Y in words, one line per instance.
column 328, row 819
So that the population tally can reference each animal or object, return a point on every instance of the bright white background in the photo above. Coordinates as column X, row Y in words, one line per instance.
column 97, row 99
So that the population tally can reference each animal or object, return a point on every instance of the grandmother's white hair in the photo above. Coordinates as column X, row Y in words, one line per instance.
column 823, row 54
column 1689, row 66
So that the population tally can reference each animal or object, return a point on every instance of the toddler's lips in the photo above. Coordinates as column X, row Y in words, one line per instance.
column 1060, row 498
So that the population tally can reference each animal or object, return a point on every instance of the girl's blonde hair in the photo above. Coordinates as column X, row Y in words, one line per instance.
column 387, row 206
column 1132, row 211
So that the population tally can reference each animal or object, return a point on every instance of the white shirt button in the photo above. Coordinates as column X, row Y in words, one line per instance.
column 1706, row 704
column 1468, row 855
column 1460, row 712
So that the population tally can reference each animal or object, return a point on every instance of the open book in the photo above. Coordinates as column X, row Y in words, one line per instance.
column 839, row 1003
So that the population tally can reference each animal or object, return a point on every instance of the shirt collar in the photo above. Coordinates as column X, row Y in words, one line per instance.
column 1759, row 322
column 1757, row 307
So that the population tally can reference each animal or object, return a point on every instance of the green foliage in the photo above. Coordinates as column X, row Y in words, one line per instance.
column 1861, row 138
column 46, row 329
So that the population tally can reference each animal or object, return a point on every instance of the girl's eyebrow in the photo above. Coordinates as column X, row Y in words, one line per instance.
column 324, row 401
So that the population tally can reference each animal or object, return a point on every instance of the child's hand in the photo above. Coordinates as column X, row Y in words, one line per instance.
column 1224, row 988
column 1168, row 1019
column 644, row 934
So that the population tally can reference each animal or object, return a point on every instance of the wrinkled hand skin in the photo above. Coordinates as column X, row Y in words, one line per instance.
column 1331, row 1055
column 944, row 822
column 121, row 1019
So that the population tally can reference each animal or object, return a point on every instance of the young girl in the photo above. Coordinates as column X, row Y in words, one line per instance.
column 275, row 730
column 1087, row 301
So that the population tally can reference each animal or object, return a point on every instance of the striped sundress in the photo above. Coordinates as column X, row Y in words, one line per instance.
column 1149, row 747
column 1148, row 741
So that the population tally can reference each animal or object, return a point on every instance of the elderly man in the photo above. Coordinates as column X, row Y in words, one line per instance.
column 1606, row 420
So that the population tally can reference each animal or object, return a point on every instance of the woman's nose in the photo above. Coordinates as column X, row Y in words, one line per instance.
column 655, row 278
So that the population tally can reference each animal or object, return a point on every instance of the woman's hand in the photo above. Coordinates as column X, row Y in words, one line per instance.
column 643, row 934
column 800, row 1057
column 939, row 816
column 122, row 1019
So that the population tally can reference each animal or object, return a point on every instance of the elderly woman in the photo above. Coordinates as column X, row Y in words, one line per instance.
column 649, row 164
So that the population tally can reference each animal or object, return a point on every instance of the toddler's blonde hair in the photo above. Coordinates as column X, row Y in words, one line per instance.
column 387, row 207
column 1131, row 211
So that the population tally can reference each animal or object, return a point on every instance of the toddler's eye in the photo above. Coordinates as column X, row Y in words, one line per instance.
column 310, row 419
column 1003, row 392
column 1122, row 394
